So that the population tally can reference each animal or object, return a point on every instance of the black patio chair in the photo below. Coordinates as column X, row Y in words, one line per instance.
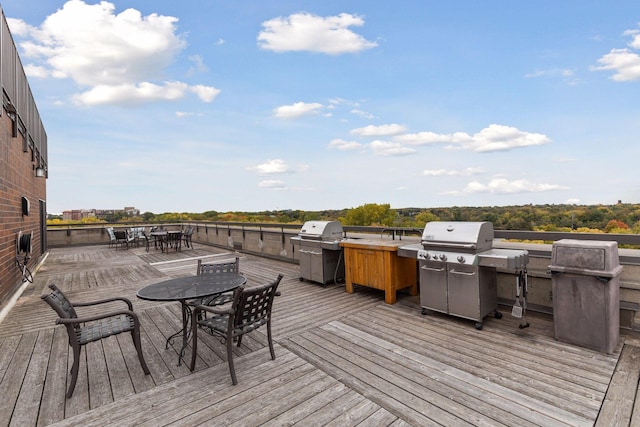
column 174, row 240
column 213, row 268
column 122, row 238
column 83, row 330
column 251, row 309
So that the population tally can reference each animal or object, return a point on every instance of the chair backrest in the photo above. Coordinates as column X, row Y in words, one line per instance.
column 112, row 236
column 137, row 232
column 220, row 267
column 120, row 234
column 252, row 306
column 59, row 302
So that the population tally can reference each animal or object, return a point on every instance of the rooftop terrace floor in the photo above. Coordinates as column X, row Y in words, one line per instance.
column 342, row 359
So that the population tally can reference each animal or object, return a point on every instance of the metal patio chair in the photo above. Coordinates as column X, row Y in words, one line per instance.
column 112, row 236
column 213, row 268
column 83, row 330
column 122, row 238
column 187, row 235
column 251, row 309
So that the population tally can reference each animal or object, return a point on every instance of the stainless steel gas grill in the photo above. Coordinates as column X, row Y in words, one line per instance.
column 457, row 265
column 319, row 251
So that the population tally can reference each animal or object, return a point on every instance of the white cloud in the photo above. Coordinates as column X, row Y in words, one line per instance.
column 452, row 172
column 32, row 70
column 205, row 93
column 624, row 62
column 270, row 167
column 363, row 114
column 273, row 184
column 554, row 72
column 306, row 32
column 296, row 110
column 382, row 130
column 19, row 27
column 492, row 138
column 422, row 138
column 387, row 148
column 504, row 186
column 198, row 65
column 116, row 56
column 131, row 94
column 342, row 145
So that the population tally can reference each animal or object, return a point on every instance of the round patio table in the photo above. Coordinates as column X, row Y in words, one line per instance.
column 188, row 288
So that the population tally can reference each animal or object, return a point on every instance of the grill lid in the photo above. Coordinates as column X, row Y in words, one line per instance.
column 321, row 230
column 458, row 235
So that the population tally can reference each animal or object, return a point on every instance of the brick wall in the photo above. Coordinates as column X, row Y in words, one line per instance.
column 17, row 179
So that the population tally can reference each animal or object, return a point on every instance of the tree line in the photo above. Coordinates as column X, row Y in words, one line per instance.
column 618, row 218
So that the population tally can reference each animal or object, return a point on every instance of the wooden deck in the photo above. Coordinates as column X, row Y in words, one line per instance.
column 342, row 359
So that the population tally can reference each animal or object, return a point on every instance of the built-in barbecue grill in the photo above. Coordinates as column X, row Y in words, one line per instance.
column 319, row 251
column 457, row 264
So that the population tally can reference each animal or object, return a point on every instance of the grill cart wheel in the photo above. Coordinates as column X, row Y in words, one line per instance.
column 479, row 326
column 424, row 311
column 497, row 315
column 301, row 278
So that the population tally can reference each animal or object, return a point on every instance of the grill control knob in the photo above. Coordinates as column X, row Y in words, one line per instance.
column 461, row 259
column 443, row 257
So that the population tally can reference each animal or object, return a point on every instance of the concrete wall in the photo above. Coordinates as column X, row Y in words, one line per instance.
column 275, row 243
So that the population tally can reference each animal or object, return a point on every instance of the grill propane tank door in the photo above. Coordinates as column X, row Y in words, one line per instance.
column 472, row 291
column 464, row 297
column 433, row 286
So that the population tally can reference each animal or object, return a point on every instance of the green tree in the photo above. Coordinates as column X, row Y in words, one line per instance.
column 371, row 214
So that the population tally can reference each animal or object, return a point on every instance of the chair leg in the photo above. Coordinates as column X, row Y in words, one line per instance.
column 74, row 370
column 194, row 341
column 135, row 334
column 273, row 352
column 230, row 359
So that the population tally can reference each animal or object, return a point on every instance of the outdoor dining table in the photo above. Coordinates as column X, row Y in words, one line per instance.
column 184, row 289
column 163, row 238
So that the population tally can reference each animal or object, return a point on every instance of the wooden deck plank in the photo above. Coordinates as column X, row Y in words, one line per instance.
column 539, row 411
column 429, row 384
column 25, row 411
column 343, row 359
column 51, row 405
column 405, row 405
column 308, row 406
column 14, row 376
column 617, row 408
column 473, row 356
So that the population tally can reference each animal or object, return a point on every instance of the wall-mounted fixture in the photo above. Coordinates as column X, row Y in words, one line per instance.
column 25, row 206
column 12, row 112
column 40, row 172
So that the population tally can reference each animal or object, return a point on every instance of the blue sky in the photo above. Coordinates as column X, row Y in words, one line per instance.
column 194, row 106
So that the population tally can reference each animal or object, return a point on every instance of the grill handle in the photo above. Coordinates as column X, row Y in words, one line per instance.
column 439, row 270
column 303, row 251
column 448, row 244
column 462, row 273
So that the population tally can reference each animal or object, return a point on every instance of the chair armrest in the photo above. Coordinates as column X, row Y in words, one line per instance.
column 77, row 320
column 213, row 310
column 103, row 301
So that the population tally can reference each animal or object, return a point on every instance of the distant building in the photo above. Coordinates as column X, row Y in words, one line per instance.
column 23, row 167
column 80, row 214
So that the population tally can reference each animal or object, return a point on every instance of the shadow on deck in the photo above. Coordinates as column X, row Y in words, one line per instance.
column 342, row 359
